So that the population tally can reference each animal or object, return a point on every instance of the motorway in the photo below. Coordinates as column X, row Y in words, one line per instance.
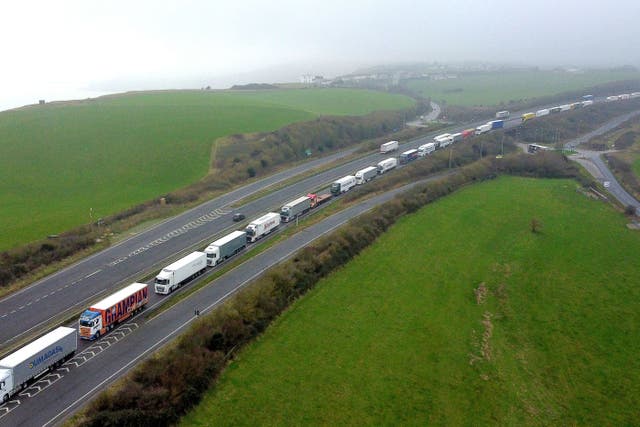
column 98, row 365
column 68, row 291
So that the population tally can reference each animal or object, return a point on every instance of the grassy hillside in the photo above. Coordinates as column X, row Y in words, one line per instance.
column 494, row 88
column 59, row 163
column 411, row 337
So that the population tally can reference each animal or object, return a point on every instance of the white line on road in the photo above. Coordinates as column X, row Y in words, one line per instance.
column 95, row 272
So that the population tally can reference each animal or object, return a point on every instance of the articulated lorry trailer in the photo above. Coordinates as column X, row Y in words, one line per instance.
column 262, row 226
column 225, row 247
column 366, row 174
column 343, row 185
column 175, row 275
column 104, row 315
column 18, row 369
column 294, row 208
column 388, row 146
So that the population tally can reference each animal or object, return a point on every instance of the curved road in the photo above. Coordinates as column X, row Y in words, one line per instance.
column 597, row 167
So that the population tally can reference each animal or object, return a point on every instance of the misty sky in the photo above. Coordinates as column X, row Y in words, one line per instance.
column 67, row 48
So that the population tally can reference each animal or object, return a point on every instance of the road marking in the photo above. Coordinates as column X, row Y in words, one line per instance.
column 95, row 272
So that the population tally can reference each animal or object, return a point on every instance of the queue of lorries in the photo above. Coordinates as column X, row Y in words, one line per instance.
column 51, row 350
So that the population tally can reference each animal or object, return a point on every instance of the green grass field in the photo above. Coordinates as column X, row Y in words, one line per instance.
column 58, row 161
column 494, row 88
column 396, row 337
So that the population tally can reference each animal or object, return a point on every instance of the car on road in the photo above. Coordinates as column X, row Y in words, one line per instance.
column 606, row 184
column 238, row 217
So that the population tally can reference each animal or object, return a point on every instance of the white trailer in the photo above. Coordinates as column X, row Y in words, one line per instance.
column 388, row 146
column 587, row 103
column 32, row 360
column 427, row 148
column 343, row 184
column 225, row 247
column 442, row 140
column 635, row 94
column 483, row 129
column 175, row 275
column 565, row 107
column 366, row 174
column 611, row 98
column 262, row 226
column 543, row 112
column 295, row 208
column 386, row 165
column 624, row 96
column 456, row 137
column 502, row 115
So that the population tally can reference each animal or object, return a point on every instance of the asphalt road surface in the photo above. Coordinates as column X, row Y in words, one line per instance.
column 72, row 289
column 60, row 393
column 69, row 291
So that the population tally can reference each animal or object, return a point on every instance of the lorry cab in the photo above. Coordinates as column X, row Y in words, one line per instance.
column 6, row 385
column 251, row 232
column 213, row 255
column 163, row 281
column 91, row 325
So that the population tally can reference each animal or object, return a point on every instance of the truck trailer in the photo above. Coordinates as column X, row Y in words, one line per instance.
column 528, row 116
column 502, row 115
column 104, row 315
column 35, row 359
column 427, row 148
column 442, row 140
column 386, row 165
column 366, row 174
column 468, row 132
column 483, row 129
column 388, row 146
column 225, row 247
column 318, row 199
column 343, row 185
column 178, row 273
column 262, row 226
column 295, row 208
column 496, row 124
column 543, row 112
column 408, row 156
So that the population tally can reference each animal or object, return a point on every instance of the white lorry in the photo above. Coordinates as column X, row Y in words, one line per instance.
column 427, row 148
column 502, row 115
column 32, row 360
column 483, row 129
column 225, row 247
column 543, row 112
column 295, row 208
column 386, row 165
column 366, row 174
column 262, row 226
column 388, row 146
column 442, row 140
column 343, row 184
column 176, row 274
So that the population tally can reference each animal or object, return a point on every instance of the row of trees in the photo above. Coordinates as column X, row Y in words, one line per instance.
column 162, row 389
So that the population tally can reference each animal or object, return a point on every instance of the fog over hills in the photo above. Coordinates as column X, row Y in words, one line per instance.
column 75, row 49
